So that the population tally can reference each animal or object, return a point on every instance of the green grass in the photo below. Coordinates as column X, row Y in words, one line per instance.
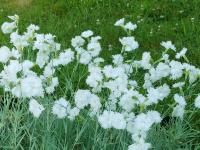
column 67, row 18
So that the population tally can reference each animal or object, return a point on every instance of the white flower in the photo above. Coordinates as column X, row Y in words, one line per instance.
column 140, row 145
column 26, row 68
column 30, row 34
column 35, row 108
column 165, row 57
column 156, row 94
column 42, row 58
column 16, row 91
column 197, row 102
column 19, row 41
column 178, row 111
column 9, row 75
column 143, row 122
column 77, row 41
column 14, row 18
column 15, row 53
column 180, row 99
column 5, row 54
column 105, row 120
column 118, row 59
column 64, row 58
column 87, row 34
column 176, row 69
column 111, row 119
column 120, row 22
column 95, row 77
column 61, row 108
column 95, row 39
column 109, row 71
column 79, row 50
column 51, row 88
column 181, row 53
column 84, row 98
column 178, row 85
column 147, row 82
column 168, row 45
column 146, row 58
column 145, row 62
column 118, row 85
column 118, row 121
column 162, row 70
column 94, row 48
column 127, row 102
column 129, row 43
column 155, row 116
column 98, row 60
column 73, row 113
column 133, row 83
column 85, row 58
column 8, row 27
column 49, row 70
column 27, row 64
column 31, row 86
column 45, row 45
column 95, row 104
column 194, row 72
column 33, row 28
column 130, row 26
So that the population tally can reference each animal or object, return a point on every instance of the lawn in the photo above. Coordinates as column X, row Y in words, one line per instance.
column 157, row 21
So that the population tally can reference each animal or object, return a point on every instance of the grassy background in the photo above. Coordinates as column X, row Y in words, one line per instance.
column 158, row 20
column 176, row 20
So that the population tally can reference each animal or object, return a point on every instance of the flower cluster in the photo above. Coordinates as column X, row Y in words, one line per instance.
column 116, row 97
column 19, row 75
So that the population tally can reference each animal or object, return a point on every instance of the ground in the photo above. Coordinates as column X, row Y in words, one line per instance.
column 157, row 20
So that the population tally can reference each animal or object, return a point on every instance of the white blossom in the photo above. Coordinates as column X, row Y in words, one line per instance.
column 5, row 54
column 31, row 86
column 85, row 58
column 197, row 101
column 77, row 41
column 168, row 45
column 156, row 94
column 140, row 145
column 73, row 113
column 179, row 99
column 130, row 26
column 176, row 69
column 181, row 53
column 84, row 98
column 120, row 22
column 110, row 119
column 35, row 108
column 129, row 43
column 19, row 41
column 118, row 59
column 51, row 88
column 87, row 34
column 8, row 27
column 61, row 108
column 178, row 111
column 64, row 58
column 178, row 84
column 94, row 48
